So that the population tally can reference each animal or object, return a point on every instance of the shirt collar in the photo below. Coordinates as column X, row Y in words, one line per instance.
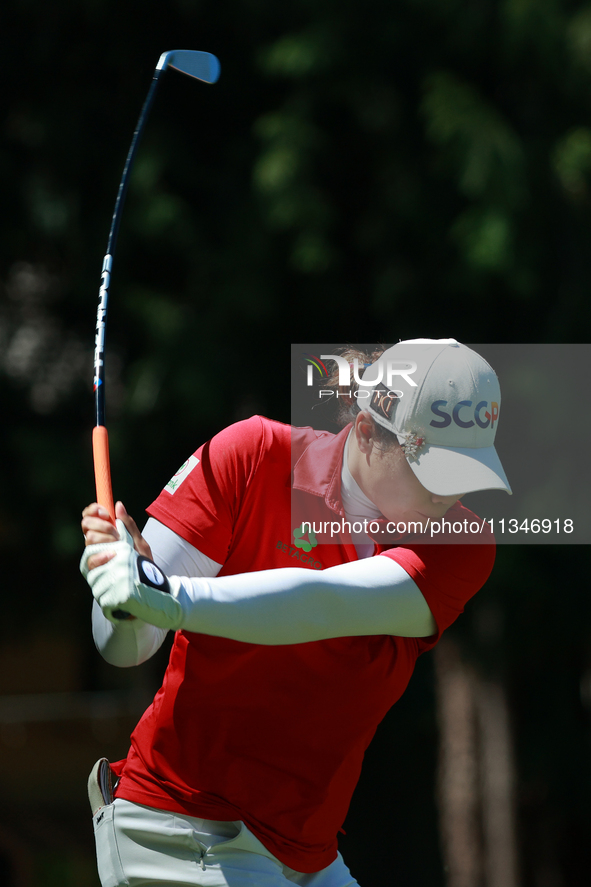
column 318, row 472
column 318, row 469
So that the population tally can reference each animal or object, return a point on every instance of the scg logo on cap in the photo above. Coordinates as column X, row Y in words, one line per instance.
column 465, row 420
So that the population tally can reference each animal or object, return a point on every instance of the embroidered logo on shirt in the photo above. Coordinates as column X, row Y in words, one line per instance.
column 181, row 475
column 299, row 555
column 307, row 544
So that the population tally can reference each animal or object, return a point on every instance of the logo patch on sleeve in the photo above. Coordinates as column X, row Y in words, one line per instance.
column 181, row 475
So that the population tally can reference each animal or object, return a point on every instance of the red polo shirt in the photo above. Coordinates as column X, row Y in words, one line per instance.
column 275, row 735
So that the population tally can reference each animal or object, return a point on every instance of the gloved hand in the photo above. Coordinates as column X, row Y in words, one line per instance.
column 132, row 583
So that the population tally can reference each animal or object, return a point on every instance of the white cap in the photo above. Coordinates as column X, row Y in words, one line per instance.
column 442, row 400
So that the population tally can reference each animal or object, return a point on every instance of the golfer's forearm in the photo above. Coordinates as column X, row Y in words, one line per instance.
column 126, row 644
column 133, row 641
column 289, row 606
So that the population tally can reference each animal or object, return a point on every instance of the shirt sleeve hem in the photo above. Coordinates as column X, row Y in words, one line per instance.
column 197, row 541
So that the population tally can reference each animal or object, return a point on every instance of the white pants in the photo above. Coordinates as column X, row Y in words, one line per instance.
column 140, row 846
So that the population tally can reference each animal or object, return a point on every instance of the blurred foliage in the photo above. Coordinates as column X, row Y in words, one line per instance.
column 361, row 172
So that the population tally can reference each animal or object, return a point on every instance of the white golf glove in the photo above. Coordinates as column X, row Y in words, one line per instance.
column 132, row 584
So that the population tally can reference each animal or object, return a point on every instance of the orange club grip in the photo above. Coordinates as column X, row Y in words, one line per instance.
column 102, row 470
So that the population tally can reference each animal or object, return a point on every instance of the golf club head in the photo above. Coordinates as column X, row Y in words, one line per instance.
column 201, row 65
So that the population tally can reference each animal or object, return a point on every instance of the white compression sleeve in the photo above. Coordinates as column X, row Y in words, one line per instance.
column 128, row 643
column 133, row 641
column 174, row 555
column 293, row 605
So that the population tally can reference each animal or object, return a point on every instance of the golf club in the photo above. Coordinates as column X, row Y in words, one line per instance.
column 202, row 66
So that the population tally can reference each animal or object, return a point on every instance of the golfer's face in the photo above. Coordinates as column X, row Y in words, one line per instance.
column 394, row 489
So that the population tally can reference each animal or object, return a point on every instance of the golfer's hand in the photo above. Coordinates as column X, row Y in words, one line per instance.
column 98, row 529
column 126, row 585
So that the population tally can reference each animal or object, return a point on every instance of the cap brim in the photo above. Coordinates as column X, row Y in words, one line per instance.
column 454, row 471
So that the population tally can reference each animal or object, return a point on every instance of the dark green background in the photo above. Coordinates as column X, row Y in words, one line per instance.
column 363, row 171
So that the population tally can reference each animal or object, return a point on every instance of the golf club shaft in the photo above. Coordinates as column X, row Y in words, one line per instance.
column 129, row 162
column 108, row 259
column 100, row 441
column 202, row 66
